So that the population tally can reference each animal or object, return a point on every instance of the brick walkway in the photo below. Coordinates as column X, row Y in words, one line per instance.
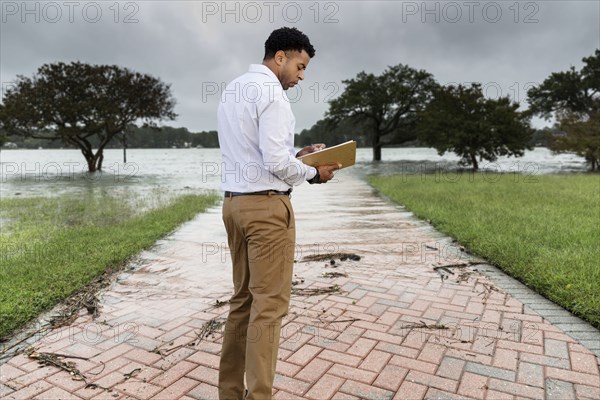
column 398, row 328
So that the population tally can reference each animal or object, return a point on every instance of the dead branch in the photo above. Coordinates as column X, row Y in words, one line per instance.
column 316, row 291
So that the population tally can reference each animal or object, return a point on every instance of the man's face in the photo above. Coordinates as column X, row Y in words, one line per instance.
column 292, row 66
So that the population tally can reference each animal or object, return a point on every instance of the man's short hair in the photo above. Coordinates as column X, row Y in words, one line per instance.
column 287, row 39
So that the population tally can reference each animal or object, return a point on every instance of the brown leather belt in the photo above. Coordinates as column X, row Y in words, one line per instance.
column 260, row 193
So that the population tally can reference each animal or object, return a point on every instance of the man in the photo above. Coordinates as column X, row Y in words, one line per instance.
column 256, row 137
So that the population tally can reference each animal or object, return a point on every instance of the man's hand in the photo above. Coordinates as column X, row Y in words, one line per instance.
column 326, row 172
column 310, row 149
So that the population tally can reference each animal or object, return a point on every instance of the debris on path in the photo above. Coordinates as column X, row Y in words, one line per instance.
column 331, row 256
column 316, row 291
column 334, row 275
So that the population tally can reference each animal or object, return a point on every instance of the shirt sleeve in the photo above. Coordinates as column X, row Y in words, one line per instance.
column 274, row 124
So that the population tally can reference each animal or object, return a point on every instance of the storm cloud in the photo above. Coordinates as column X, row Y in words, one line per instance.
column 198, row 46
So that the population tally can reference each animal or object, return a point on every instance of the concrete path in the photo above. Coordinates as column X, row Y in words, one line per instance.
column 396, row 327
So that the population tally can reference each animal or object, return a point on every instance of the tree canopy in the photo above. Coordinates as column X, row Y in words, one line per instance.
column 582, row 137
column 573, row 98
column 462, row 120
column 387, row 104
column 76, row 102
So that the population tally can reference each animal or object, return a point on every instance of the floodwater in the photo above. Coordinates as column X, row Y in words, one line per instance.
column 52, row 172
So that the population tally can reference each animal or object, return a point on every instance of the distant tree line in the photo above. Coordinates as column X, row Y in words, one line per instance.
column 144, row 137
column 147, row 137
column 167, row 137
column 319, row 133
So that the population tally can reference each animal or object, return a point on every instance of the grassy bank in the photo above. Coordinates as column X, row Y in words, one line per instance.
column 51, row 247
column 543, row 229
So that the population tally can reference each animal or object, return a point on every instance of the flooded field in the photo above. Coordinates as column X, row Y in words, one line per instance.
column 52, row 172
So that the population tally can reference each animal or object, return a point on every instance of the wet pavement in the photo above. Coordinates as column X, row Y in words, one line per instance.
column 415, row 317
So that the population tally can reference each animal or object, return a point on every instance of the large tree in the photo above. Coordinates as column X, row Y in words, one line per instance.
column 388, row 104
column 573, row 98
column 75, row 102
column 462, row 120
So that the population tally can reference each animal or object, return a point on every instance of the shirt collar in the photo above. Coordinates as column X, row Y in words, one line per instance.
column 262, row 69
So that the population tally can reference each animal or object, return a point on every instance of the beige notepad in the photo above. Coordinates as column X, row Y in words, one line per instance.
column 344, row 153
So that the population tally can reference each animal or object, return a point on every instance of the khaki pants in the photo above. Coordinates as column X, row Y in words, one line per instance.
column 261, row 235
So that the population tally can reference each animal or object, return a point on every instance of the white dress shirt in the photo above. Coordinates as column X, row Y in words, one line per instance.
column 255, row 124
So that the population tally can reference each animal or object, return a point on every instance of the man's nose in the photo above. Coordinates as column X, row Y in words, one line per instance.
column 301, row 75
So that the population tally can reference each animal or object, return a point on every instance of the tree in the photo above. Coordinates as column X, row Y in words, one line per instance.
column 573, row 98
column 77, row 102
column 388, row 104
column 462, row 120
column 582, row 138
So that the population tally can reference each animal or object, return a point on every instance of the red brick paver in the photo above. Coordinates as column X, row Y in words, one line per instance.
column 396, row 330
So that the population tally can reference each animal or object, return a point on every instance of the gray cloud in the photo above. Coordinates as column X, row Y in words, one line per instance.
column 197, row 46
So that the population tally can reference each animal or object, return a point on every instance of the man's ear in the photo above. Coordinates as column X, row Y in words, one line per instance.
column 280, row 57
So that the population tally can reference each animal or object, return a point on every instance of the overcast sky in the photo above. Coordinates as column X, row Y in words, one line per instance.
column 199, row 46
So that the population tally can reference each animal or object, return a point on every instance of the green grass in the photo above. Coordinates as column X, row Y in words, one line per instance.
column 543, row 230
column 52, row 247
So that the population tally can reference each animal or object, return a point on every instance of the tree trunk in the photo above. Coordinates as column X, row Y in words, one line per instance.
column 376, row 152
column 100, row 155
column 94, row 161
column 376, row 146
column 474, row 162
column 91, row 162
